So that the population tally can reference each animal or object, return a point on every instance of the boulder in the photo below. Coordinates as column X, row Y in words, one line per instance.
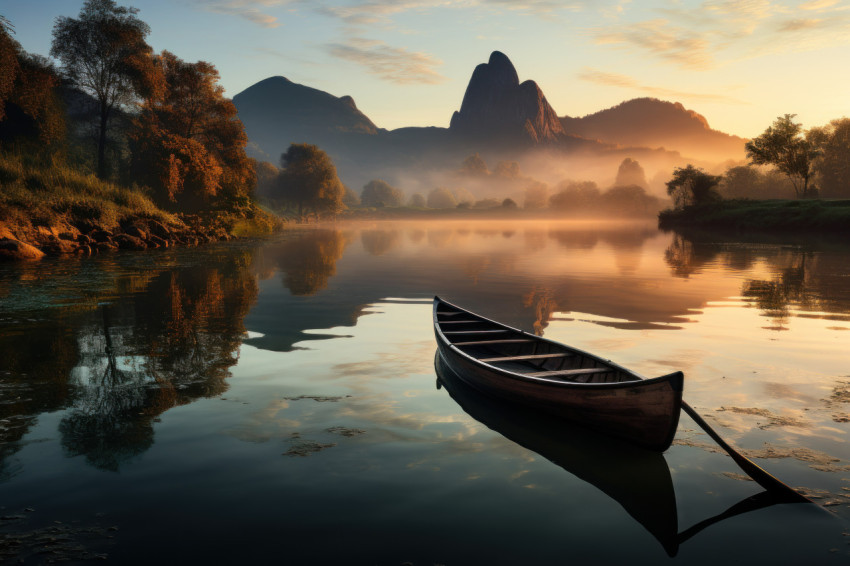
column 101, row 235
column 158, row 229
column 11, row 249
column 127, row 242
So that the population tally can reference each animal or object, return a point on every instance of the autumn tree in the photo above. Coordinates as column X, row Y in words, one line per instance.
column 507, row 170
column 103, row 52
column 30, row 107
column 309, row 181
column 349, row 197
column 379, row 193
column 187, row 143
column 785, row 146
column 417, row 201
column 692, row 186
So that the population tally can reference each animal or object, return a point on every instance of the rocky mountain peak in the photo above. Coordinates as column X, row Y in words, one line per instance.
column 496, row 107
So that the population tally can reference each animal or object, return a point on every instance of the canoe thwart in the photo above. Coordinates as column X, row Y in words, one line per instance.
column 482, row 342
column 526, row 357
column 569, row 372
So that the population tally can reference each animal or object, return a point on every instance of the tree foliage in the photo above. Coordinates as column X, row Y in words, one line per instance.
column 575, row 196
column 417, row 201
column 833, row 165
column 692, row 186
column 785, row 146
column 536, row 195
column 379, row 193
column 309, row 181
column 630, row 172
column 474, row 165
column 187, row 143
column 104, row 53
column 31, row 111
column 441, row 197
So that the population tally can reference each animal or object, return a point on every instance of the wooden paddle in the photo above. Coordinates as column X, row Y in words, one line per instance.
column 752, row 469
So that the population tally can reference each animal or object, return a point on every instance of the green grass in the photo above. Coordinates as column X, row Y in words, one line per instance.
column 813, row 215
column 55, row 195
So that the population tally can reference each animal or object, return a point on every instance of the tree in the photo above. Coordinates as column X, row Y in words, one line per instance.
column 833, row 165
column 185, row 124
column 509, row 203
column 474, row 165
column 630, row 173
column 103, row 53
column 575, row 195
column 441, row 197
column 462, row 196
column 507, row 170
column 309, row 180
column 417, row 201
column 536, row 195
column 30, row 107
column 691, row 186
column 380, row 193
column 785, row 146
column 628, row 200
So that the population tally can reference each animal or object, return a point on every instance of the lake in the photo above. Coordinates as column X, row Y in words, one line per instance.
column 277, row 401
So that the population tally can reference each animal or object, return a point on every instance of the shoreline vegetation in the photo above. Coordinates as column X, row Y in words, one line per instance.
column 743, row 215
column 57, row 210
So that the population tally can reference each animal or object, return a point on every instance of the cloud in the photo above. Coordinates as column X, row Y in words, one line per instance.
column 250, row 10
column 686, row 48
column 817, row 4
column 394, row 64
column 623, row 81
column 799, row 25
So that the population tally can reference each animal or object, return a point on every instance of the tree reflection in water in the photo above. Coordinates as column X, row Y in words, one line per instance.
column 117, row 368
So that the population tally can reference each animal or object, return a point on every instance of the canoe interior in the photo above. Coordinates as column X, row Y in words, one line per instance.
column 509, row 349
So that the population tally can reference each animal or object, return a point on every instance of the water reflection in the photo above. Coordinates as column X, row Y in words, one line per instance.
column 806, row 279
column 114, row 369
column 639, row 480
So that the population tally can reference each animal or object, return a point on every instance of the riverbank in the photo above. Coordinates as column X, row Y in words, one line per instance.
column 799, row 216
column 56, row 210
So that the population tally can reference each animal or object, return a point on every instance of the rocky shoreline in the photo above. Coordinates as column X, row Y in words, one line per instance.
column 88, row 240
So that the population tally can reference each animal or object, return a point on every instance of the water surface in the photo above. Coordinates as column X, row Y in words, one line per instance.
column 277, row 401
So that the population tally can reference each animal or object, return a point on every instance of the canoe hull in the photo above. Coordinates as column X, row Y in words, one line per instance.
column 644, row 411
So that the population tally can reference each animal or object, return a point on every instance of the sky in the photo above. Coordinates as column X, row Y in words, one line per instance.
column 407, row 62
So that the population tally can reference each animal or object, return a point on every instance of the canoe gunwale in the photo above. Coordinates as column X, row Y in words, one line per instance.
column 639, row 381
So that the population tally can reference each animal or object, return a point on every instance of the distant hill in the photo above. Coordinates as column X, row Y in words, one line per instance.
column 277, row 112
column 654, row 123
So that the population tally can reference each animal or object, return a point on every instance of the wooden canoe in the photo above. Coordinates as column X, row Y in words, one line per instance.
column 514, row 365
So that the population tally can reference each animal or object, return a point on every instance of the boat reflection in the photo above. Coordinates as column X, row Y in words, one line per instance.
column 638, row 479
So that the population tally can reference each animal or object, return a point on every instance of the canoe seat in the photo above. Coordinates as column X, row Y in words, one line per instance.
column 569, row 372
column 483, row 342
column 475, row 331
column 527, row 357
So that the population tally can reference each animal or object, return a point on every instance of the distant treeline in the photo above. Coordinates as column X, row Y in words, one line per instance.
column 306, row 184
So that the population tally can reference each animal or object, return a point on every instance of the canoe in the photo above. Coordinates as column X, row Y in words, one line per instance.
column 571, row 384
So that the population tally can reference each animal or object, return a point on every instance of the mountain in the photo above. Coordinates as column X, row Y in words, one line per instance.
column 277, row 112
column 650, row 122
column 497, row 108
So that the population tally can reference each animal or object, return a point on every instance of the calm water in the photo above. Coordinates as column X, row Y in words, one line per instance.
column 276, row 402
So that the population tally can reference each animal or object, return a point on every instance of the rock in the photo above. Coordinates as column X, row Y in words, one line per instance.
column 11, row 249
column 59, row 247
column 105, row 246
column 158, row 229
column 136, row 232
column 497, row 108
column 101, row 235
column 70, row 236
column 84, row 240
column 158, row 242
column 127, row 242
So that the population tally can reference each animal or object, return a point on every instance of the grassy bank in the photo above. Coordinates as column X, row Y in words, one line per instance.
column 816, row 216
column 58, row 210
